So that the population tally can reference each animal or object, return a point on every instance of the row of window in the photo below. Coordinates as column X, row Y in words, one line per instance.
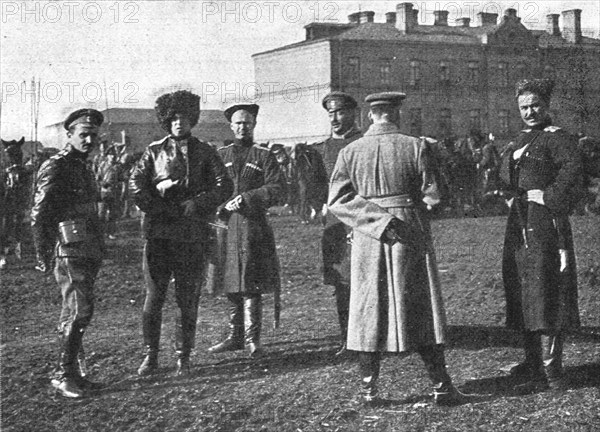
column 444, row 121
column 415, row 76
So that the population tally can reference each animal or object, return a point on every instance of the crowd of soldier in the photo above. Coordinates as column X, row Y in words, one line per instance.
column 374, row 190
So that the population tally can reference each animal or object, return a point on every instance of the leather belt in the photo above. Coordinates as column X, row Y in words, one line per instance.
column 403, row 200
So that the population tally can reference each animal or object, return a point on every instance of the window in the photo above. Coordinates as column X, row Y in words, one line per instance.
column 475, row 120
column 353, row 70
column 473, row 73
column 503, row 74
column 385, row 72
column 416, row 122
column 445, row 123
column 444, row 71
column 415, row 73
column 503, row 121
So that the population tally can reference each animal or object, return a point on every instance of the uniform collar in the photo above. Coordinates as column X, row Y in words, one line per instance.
column 354, row 130
column 382, row 128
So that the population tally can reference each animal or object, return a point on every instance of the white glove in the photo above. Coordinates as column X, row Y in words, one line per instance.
column 563, row 259
column 165, row 185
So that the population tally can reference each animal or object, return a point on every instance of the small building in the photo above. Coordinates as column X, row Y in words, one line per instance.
column 138, row 127
column 457, row 78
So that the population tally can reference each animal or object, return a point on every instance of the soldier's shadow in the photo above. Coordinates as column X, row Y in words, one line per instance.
column 575, row 377
column 480, row 337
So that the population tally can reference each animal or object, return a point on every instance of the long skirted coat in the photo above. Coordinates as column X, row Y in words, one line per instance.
column 539, row 295
column 395, row 299
column 251, row 263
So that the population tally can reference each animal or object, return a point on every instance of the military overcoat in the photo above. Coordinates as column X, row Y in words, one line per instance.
column 539, row 296
column 251, row 265
column 386, row 175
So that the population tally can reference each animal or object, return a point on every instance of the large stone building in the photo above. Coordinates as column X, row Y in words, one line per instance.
column 457, row 77
column 138, row 127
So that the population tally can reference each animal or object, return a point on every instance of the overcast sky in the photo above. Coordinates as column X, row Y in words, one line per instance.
column 126, row 53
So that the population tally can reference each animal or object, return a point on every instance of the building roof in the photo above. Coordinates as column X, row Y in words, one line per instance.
column 372, row 31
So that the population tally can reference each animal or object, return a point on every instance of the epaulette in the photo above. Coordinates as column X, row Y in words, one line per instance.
column 552, row 129
column 224, row 147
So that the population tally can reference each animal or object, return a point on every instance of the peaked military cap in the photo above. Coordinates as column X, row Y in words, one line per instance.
column 251, row 108
column 385, row 98
column 182, row 102
column 339, row 100
column 85, row 115
column 542, row 87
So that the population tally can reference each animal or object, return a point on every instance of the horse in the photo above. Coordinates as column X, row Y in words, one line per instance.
column 15, row 180
column 311, row 180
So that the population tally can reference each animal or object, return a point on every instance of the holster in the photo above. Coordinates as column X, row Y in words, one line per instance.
column 77, row 239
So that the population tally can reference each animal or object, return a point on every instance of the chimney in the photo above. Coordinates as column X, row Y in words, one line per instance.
column 353, row 18
column 463, row 22
column 440, row 18
column 510, row 13
column 415, row 15
column 552, row 24
column 390, row 18
column 486, row 18
column 404, row 17
column 366, row 17
column 572, row 25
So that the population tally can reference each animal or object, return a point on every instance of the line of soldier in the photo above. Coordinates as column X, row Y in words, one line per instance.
column 382, row 184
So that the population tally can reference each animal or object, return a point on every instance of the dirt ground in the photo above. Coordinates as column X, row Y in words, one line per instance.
column 300, row 385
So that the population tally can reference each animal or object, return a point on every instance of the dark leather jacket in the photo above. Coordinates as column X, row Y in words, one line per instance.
column 65, row 190
column 204, row 186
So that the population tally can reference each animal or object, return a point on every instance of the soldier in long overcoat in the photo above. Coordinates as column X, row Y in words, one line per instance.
column 544, row 172
column 251, row 263
column 381, row 186
column 341, row 109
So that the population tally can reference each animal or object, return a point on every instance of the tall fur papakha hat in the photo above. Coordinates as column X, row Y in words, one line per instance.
column 181, row 102
column 542, row 87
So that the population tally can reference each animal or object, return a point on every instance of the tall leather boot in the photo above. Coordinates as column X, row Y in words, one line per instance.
column 530, row 375
column 66, row 374
column 151, row 330
column 370, row 364
column 444, row 391
column 342, row 300
column 184, row 341
column 235, row 339
column 253, row 324
column 81, row 367
column 553, row 354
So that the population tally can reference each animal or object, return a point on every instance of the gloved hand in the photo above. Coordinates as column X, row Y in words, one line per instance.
column 399, row 231
column 43, row 263
column 165, row 185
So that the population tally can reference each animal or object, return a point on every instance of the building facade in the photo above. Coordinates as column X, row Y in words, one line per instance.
column 458, row 78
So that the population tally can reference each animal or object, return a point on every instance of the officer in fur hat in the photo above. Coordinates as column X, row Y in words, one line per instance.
column 178, row 184
column 252, row 267
column 543, row 172
column 66, row 230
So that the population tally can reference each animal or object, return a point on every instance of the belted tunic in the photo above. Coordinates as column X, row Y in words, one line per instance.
column 395, row 301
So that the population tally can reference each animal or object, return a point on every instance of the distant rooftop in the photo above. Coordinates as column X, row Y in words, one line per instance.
column 402, row 25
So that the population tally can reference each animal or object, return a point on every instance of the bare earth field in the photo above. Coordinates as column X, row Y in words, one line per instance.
column 300, row 385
